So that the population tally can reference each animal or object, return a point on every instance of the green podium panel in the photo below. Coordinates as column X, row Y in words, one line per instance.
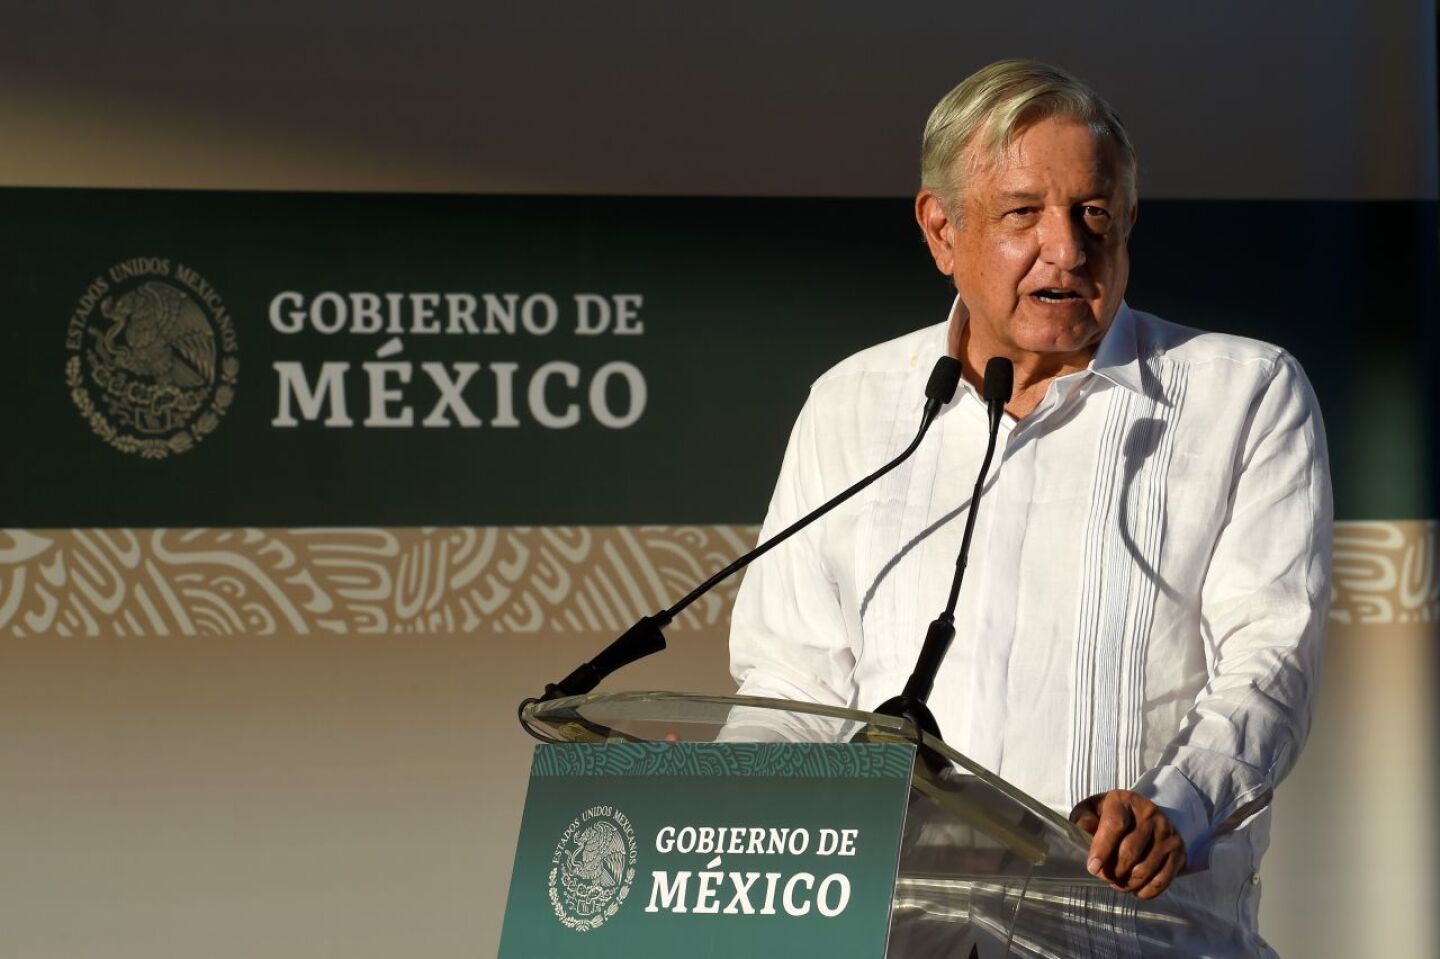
column 708, row 849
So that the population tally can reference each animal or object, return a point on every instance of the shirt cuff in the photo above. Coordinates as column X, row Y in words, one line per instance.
column 1183, row 805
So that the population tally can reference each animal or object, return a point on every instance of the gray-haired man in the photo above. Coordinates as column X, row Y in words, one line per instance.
column 1141, row 640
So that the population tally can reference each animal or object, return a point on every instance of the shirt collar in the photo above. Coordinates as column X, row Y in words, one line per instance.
column 1117, row 359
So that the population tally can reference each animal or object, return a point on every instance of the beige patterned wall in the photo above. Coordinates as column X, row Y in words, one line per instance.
column 158, row 582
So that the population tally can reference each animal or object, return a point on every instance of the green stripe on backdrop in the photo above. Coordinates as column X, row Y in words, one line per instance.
column 182, row 359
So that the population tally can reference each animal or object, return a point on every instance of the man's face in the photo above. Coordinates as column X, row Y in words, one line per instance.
column 1039, row 254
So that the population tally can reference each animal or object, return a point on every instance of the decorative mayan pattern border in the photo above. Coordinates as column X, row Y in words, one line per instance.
column 1386, row 572
column 125, row 582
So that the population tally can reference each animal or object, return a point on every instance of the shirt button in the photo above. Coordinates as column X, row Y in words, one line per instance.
column 1255, row 879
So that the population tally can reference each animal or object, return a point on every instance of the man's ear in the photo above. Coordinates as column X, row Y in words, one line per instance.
column 938, row 229
column 1134, row 215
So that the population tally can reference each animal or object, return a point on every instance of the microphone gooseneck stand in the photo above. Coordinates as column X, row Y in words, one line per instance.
column 646, row 636
column 911, row 704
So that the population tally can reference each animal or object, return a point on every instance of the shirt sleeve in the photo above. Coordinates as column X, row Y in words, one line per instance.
column 1263, row 606
column 787, row 633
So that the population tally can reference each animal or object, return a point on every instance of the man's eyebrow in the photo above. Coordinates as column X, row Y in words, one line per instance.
column 1008, row 197
column 1018, row 196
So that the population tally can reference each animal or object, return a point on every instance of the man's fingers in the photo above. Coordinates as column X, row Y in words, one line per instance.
column 1115, row 821
column 1173, row 864
column 1157, row 858
column 1132, row 854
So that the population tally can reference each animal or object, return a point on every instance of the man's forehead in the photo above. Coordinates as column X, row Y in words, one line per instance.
column 1067, row 156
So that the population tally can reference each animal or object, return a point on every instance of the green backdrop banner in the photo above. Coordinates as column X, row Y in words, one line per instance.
column 186, row 359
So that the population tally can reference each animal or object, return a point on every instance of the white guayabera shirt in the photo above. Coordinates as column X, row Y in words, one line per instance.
column 1147, row 589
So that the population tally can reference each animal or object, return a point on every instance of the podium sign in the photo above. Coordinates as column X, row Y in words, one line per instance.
column 708, row 850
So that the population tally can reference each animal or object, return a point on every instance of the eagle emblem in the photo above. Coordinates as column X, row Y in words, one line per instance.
column 594, row 867
column 156, row 374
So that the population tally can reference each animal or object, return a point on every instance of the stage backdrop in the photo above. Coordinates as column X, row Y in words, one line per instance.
column 496, row 430
column 302, row 491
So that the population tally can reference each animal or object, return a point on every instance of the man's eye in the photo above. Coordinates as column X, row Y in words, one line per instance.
column 1096, row 219
column 1022, row 211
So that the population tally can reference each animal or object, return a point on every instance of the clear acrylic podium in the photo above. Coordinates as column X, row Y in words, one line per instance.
column 984, row 869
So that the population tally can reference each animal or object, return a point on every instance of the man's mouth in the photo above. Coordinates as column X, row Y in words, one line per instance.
column 1056, row 295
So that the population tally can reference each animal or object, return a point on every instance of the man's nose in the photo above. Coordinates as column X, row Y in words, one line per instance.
column 1062, row 240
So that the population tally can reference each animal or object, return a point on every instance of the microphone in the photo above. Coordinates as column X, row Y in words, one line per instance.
column 998, row 388
column 645, row 637
column 911, row 703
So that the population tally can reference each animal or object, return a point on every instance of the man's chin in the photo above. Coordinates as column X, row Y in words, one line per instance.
column 1057, row 337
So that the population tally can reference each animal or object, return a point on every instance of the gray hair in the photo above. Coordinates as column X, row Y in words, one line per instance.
column 993, row 105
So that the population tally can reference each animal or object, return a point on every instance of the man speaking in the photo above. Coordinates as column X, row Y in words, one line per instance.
column 1139, row 634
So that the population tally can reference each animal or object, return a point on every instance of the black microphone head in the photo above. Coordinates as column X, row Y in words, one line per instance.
column 999, row 380
column 944, row 380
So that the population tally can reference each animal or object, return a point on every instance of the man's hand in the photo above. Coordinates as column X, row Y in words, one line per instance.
column 1135, row 848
